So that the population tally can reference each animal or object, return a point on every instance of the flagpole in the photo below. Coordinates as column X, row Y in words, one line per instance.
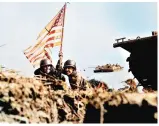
column 63, row 28
column 60, row 53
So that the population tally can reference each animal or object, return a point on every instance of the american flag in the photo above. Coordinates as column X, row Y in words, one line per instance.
column 48, row 38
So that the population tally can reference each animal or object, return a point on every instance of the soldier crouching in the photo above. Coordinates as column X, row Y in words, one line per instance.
column 75, row 79
column 47, row 70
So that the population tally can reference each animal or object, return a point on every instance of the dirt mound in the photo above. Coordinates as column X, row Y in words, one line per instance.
column 31, row 102
column 27, row 100
column 122, row 108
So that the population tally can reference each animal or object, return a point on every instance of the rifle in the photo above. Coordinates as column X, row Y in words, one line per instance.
column 52, row 82
column 46, row 78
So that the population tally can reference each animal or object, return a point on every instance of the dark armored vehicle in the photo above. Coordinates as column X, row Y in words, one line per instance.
column 142, row 59
column 108, row 68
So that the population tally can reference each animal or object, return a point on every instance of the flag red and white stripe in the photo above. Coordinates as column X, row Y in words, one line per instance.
column 48, row 38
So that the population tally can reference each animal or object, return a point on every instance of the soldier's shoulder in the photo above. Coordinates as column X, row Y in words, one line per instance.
column 79, row 75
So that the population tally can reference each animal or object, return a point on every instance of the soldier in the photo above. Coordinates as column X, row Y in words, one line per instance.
column 75, row 79
column 47, row 69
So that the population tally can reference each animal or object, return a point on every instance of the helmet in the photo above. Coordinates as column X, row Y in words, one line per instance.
column 70, row 63
column 45, row 62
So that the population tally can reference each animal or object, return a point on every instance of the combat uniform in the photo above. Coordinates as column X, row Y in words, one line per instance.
column 75, row 79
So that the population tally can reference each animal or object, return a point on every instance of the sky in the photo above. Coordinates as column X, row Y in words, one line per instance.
column 89, row 33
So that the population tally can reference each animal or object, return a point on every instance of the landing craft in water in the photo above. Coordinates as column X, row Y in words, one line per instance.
column 108, row 68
